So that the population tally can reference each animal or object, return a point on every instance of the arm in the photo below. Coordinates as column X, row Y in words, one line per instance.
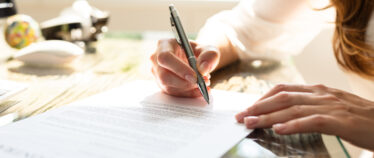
column 214, row 47
column 277, row 11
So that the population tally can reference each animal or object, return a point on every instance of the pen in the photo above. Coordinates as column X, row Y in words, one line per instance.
column 182, row 39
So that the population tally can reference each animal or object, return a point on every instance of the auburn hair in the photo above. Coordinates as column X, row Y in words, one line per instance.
column 351, row 49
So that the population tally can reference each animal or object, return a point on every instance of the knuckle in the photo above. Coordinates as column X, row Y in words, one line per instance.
column 297, row 111
column 163, row 57
column 210, row 53
column 332, row 98
column 351, row 120
column 170, row 40
column 284, row 97
column 161, row 41
column 337, row 93
column 343, row 108
column 153, row 58
column 320, row 87
column 280, row 87
column 320, row 120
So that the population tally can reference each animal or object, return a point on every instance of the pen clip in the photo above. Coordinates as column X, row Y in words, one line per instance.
column 173, row 27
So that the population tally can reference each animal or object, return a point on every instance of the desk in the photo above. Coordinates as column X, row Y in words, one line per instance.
column 120, row 60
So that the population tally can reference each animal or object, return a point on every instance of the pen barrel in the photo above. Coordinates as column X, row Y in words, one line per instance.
column 193, row 63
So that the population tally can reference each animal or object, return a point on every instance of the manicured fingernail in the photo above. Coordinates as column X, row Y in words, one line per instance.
column 190, row 78
column 209, row 76
column 279, row 127
column 251, row 121
column 204, row 66
column 207, row 82
column 240, row 115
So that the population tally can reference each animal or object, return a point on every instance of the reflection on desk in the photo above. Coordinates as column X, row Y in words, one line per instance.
column 265, row 143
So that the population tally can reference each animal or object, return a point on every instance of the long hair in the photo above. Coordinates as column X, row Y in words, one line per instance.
column 351, row 49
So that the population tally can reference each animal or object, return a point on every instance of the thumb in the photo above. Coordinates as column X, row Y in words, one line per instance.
column 208, row 60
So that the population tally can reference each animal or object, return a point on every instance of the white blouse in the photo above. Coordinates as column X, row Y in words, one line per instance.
column 254, row 37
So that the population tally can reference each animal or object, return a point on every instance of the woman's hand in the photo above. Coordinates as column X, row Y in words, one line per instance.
column 293, row 109
column 172, row 71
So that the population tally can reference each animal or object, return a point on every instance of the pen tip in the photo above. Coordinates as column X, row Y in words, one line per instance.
column 207, row 99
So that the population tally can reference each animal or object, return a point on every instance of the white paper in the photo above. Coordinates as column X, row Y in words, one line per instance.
column 135, row 120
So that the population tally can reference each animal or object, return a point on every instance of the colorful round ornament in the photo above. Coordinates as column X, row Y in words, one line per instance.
column 21, row 30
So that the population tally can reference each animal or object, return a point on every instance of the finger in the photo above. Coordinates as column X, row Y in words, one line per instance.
column 287, row 88
column 294, row 112
column 167, row 45
column 281, row 101
column 167, row 58
column 153, row 59
column 314, row 123
column 194, row 44
column 207, row 61
column 168, row 79
column 174, row 64
column 178, row 92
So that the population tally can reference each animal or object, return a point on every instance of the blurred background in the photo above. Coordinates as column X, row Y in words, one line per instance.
column 134, row 15
column 142, row 16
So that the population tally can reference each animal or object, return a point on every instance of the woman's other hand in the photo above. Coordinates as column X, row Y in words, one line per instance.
column 293, row 109
column 172, row 71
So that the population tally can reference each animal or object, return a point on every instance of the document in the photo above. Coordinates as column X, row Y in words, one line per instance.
column 134, row 120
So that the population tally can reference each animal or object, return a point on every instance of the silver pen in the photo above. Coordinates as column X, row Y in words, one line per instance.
column 183, row 41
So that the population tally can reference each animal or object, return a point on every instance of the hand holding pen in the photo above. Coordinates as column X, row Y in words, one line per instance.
column 182, row 67
column 172, row 71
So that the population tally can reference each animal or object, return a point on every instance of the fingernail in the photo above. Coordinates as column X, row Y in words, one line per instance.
column 239, row 116
column 251, row 121
column 279, row 127
column 190, row 78
column 207, row 83
column 204, row 66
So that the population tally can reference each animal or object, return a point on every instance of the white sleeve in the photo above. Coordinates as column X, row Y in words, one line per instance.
column 257, row 38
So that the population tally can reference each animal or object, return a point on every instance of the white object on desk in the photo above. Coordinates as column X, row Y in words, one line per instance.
column 135, row 120
column 49, row 53
column 9, row 89
column 8, row 118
